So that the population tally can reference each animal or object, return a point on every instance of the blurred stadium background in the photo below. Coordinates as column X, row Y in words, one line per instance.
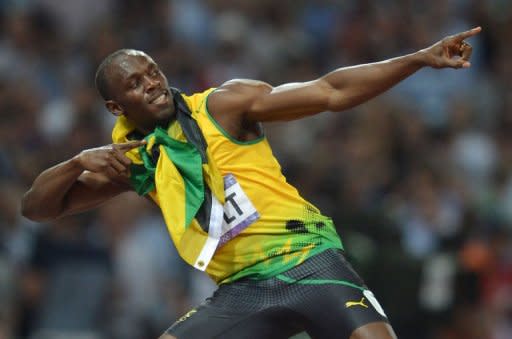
column 418, row 181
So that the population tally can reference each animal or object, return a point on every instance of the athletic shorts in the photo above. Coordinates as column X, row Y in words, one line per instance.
column 323, row 296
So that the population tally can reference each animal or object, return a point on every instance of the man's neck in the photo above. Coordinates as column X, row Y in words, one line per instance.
column 150, row 129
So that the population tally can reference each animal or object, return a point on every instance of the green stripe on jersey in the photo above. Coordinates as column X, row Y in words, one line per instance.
column 318, row 282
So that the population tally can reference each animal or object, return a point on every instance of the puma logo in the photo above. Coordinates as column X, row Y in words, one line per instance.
column 354, row 303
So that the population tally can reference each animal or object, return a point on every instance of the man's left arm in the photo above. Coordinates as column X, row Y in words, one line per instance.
column 338, row 90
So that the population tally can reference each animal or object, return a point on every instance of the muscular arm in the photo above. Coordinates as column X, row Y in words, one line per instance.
column 338, row 90
column 78, row 184
column 66, row 189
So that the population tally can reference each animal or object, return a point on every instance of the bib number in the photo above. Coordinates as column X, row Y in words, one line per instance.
column 239, row 212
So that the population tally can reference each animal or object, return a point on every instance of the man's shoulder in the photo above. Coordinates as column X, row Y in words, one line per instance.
column 241, row 86
column 237, row 95
column 196, row 102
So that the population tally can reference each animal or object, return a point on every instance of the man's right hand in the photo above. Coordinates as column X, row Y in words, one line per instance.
column 109, row 160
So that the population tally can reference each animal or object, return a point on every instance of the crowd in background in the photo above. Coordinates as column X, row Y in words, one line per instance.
column 418, row 181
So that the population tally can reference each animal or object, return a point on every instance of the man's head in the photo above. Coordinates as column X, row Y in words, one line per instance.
column 132, row 85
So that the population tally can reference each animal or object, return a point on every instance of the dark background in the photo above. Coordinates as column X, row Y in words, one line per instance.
column 418, row 181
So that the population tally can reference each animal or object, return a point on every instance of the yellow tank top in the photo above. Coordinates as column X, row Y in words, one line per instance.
column 285, row 229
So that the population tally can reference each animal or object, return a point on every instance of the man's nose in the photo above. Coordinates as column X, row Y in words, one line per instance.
column 151, row 83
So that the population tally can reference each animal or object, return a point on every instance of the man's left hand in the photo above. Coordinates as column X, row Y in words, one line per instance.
column 452, row 51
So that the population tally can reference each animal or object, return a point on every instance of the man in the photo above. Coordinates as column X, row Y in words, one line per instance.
column 277, row 259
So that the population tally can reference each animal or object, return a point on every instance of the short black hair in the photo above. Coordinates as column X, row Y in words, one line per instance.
column 102, row 73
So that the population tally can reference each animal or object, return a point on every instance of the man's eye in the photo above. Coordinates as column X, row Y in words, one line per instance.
column 154, row 72
column 134, row 84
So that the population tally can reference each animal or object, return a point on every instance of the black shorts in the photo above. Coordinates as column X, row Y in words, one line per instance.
column 323, row 296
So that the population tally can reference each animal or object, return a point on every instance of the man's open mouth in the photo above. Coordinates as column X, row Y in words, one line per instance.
column 159, row 97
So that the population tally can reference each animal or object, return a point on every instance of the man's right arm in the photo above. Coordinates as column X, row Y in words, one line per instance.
column 79, row 184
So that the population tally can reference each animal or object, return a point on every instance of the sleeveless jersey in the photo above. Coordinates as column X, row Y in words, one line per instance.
column 286, row 230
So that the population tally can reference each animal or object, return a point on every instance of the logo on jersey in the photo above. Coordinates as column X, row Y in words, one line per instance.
column 356, row 303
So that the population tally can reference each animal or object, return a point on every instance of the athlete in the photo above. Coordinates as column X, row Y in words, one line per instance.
column 230, row 212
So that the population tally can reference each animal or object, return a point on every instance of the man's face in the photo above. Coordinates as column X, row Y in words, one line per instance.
column 141, row 90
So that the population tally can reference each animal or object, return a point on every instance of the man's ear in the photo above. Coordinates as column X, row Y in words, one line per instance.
column 114, row 108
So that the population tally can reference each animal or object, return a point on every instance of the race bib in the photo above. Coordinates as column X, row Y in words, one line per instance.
column 227, row 221
column 239, row 212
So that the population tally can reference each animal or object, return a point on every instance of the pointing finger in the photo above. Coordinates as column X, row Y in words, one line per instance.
column 467, row 34
column 126, row 146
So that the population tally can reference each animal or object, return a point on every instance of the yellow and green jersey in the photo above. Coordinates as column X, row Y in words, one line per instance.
column 280, row 229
